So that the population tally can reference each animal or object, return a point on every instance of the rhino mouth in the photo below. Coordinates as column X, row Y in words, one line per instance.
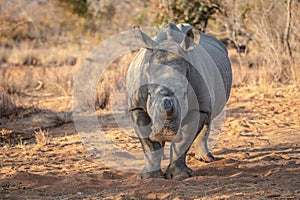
column 165, row 132
column 164, row 135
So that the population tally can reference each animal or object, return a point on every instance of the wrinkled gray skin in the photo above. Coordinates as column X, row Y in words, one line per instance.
column 177, row 84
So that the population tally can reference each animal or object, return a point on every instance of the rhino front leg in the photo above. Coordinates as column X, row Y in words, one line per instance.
column 190, row 126
column 201, row 147
column 153, row 150
column 153, row 155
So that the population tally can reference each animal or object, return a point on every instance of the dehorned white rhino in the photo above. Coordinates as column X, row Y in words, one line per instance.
column 178, row 82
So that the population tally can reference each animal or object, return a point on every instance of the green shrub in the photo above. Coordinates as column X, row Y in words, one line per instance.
column 195, row 12
column 78, row 6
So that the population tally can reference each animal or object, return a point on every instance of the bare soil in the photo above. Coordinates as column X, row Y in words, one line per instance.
column 258, row 154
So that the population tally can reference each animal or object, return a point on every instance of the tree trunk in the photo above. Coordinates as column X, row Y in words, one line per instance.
column 287, row 30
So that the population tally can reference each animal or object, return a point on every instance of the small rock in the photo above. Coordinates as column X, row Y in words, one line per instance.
column 279, row 94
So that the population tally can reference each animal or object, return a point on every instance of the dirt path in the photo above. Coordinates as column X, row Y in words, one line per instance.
column 258, row 158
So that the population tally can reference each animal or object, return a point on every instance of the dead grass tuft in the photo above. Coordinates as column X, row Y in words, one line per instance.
column 7, row 106
column 111, row 80
column 41, row 137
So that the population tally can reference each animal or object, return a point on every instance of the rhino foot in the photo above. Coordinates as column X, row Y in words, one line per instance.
column 152, row 174
column 207, row 158
column 178, row 171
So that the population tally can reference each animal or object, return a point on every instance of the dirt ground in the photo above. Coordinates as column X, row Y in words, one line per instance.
column 258, row 154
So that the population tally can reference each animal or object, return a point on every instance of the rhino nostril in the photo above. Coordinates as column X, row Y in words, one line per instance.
column 167, row 104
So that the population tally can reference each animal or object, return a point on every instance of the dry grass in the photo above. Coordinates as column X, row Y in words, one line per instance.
column 37, row 80
column 10, row 138
column 112, row 80
column 7, row 106
column 256, row 69
column 27, row 54
column 5, row 138
column 248, row 69
column 41, row 137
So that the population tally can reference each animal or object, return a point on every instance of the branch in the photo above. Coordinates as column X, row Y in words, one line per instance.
column 287, row 30
column 9, row 30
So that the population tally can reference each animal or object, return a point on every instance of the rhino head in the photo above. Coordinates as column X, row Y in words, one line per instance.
column 165, row 71
column 164, row 110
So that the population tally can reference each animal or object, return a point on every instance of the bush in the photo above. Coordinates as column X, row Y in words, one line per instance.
column 195, row 12
column 78, row 6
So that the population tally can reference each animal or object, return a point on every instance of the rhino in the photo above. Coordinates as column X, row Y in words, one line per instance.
column 178, row 82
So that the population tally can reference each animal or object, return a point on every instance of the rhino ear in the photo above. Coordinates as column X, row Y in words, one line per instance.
column 191, row 39
column 143, row 39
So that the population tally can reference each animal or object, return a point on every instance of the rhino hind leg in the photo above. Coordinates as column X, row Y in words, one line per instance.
column 153, row 150
column 201, row 147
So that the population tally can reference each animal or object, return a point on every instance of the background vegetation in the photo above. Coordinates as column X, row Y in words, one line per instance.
column 43, row 43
